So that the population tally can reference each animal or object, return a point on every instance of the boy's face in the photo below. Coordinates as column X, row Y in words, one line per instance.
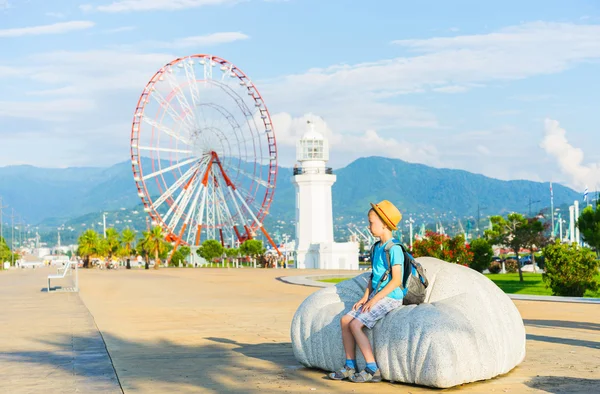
column 376, row 225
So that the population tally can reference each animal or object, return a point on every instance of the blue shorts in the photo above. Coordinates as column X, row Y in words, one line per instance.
column 376, row 313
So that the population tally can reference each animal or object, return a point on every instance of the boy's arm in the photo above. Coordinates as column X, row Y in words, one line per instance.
column 368, row 290
column 394, row 282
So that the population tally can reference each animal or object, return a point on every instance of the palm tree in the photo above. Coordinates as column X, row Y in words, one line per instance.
column 127, row 238
column 154, row 241
column 88, row 246
column 113, row 243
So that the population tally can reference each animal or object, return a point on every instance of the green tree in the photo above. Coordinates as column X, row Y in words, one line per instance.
column 570, row 269
column 87, row 246
column 210, row 249
column 535, row 237
column 185, row 251
column 113, row 242
column 176, row 258
column 361, row 247
column 143, row 248
column 511, row 232
column 5, row 253
column 589, row 226
column 127, row 240
column 482, row 254
column 232, row 252
column 154, row 242
column 252, row 247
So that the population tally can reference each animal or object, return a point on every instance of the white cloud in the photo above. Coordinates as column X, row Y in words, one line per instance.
column 202, row 41
column 570, row 159
column 56, row 28
column 346, row 147
column 53, row 110
column 5, row 4
column 89, row 72
column 153, row 5
column 346, row 93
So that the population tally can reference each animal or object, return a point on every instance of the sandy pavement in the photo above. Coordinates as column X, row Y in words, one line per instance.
column 227, row 330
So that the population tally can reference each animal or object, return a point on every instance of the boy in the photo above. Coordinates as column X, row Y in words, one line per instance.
column 381, row 296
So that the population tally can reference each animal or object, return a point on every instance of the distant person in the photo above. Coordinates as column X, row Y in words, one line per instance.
column 381, row 296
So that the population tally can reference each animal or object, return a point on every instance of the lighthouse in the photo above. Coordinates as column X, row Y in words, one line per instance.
column 315, row 246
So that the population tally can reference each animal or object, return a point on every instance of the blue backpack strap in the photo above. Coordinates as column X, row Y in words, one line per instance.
column 406, row 266
column 371, row 253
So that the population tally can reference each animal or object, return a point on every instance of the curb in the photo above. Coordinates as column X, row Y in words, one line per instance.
column 313, row 281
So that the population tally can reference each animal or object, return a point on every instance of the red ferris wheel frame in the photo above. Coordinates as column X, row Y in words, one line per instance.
column 213, row 170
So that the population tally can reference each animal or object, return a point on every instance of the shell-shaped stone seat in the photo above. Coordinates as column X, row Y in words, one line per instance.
column 467, row 330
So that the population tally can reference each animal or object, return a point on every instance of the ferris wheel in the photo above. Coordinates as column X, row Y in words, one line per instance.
column 203, row 152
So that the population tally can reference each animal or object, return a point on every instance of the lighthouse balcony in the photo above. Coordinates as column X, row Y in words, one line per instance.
column 315, row 170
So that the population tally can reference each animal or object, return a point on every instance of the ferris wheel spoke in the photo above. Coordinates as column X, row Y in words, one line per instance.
column 259, row 224
column 166, row 130
column 188, row 193
column 197, row 228
column 251, row 177
column 191, row 81
column 166, row 105
column 226, row 212
column 250, row 200
column 169, row 192
column 159, row 172
column 171, row 150
column 181, row 98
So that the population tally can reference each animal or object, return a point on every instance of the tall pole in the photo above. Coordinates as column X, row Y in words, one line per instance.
column 560, row 223
column 571, row 224
column 410, row 224
column 552, row 205
column 576, row 213
column 104, row 223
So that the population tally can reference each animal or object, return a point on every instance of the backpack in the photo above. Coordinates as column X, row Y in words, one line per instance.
column 413, row 279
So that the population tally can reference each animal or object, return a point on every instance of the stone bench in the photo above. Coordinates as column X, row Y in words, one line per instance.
column 467, row 330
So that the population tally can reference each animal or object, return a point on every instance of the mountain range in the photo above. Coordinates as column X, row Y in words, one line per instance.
column 51, row 197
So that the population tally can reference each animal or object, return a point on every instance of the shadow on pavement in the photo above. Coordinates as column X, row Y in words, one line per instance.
column 564, row 341
column 564, row 384
column 222, row 365
column 562, row 324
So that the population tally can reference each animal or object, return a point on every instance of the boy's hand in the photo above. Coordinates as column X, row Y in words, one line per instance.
column 370, row 304
column 360, row 303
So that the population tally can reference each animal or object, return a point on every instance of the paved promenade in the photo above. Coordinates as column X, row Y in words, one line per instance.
column 219, row 330
column 49, row 343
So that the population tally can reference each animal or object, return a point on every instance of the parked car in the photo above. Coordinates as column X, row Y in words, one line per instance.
column 525, row 260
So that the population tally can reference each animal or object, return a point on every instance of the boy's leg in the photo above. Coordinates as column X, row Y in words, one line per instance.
column 356, row 328
column 348, row 338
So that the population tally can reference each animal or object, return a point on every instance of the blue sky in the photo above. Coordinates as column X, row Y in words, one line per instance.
column 507, row 89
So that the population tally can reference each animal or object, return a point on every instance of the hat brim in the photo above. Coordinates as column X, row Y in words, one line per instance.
column 383, row 217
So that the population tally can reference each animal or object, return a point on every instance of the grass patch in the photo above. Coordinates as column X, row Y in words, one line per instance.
column 509, row 283
column 334, row 280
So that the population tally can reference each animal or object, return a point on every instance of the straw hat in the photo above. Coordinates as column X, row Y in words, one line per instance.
column 388, row 213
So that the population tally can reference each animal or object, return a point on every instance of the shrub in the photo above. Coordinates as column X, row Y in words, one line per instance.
column 570, row 269
column 511, row 266
column 452, row 250
column 482, row 254
column 495, row 267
